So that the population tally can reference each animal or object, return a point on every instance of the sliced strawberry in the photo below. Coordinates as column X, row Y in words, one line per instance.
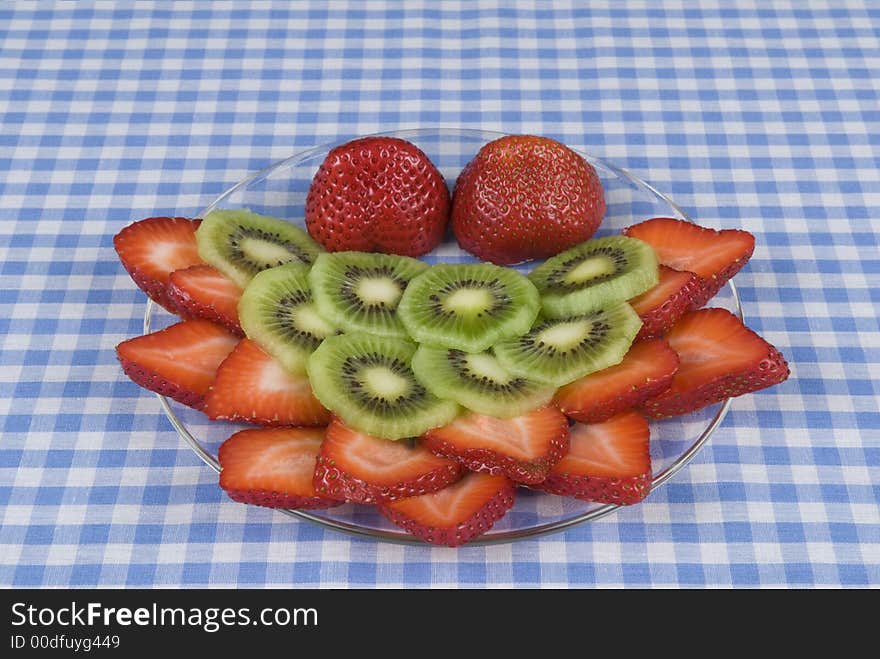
column 201, row 291
column 360, row 468
column 273, row 467
column 609, row 462
column 660, row 307
column 720, row 358
column 252, row 386
column 179, row 361
column 645, row 371
column 715, row 256
column 522, row 448
column 151, row 249
column 456, row 514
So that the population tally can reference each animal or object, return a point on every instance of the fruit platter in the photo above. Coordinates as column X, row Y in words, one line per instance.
column 443, row 336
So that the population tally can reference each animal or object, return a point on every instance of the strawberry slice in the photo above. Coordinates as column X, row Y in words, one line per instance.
column 720, row 358
column 661, row 307
column 609, row 462
column 360, row 468
column 179, row 361
column 273, row 467
column 645, row 371
column 715, row 256
column 456, row 514
column 151, row 249
column 252, row 386
column 201, row 291
column 522, row 448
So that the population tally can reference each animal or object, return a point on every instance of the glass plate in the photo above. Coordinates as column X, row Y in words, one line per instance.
column 280, row 190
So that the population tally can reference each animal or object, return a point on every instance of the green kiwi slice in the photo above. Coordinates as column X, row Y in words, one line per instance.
column 369, row 383
column 595, row 274
column 359, row 292
column 240, row 243
column 557, row 351
column 277, row 312
column 478, row 382
column 468, row 306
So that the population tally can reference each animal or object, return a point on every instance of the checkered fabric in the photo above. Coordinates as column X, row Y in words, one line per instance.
column 757, row 115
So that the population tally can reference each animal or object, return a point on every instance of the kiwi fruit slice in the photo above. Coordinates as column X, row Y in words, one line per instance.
column 595, row 274
column 277, row 312
column 557, row 351
column 240, row 243
column 478, row 382
column 369, row 383
column 468, row 306
column 359, row 292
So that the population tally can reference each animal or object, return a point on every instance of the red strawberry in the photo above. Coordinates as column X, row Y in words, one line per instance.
column 660, row 307
column 201, row 291
column 715, row 256
column 720, row 358
column 357, row 467
column 522, row 448
column 273, row 467
column 378, row 194
column 151, row 249
column 524, row 197
column 179, row 361
column 455, row 514
column 609, row 462
column 251, row 386
column 645, row 371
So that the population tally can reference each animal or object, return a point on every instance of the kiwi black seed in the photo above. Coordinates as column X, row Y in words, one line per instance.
column 369, row 383
column 468, row 306
column 240, row 243
column 557, row 351
column 478, row 382
column 277, row 312
column 359, row 292
column 595, row 274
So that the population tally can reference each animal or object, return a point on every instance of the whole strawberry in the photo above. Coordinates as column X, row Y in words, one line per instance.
column 524, row 197
column 378, row 194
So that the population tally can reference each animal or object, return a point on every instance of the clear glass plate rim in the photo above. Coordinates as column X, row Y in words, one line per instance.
column 491, row 538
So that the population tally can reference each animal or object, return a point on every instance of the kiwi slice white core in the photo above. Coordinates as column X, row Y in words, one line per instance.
column 379, row 290
column 385, row 383
column 593, row 268
column 486, row 366
column 257, row 249
column 469, row 301
column 565, row 336
column 307, row 319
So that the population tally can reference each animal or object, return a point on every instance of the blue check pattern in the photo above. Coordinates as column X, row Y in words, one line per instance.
column 763, row 116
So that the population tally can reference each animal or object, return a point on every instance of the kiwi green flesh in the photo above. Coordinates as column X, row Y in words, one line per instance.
column 277, row 312
column 468, row 306
column 478, row 382
column 557, row 351
column 360, row 292
column 595, row 274
column 240, row 243
column 369, row 383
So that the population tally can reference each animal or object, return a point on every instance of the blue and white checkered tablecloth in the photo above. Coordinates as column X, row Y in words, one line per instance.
column 764, row 116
